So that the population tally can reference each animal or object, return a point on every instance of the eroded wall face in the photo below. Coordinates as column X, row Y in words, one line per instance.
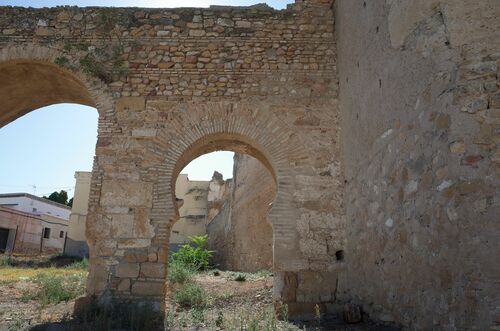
column 172, row 84
column 419, row 95
column 253, row 191
column 240, row 234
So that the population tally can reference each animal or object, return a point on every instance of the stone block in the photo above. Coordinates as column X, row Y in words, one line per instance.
column 127, row 270
column 352, row 313
column 124, row 285
column 133, row 243
column 131, row 104
column 148, row 288
column 457, row 147
column 122, row 226
column 138, row 255
column 117, row 193
column 153, row 270
column 144, row 133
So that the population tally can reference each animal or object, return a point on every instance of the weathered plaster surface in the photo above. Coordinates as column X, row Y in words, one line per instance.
column 419, row 95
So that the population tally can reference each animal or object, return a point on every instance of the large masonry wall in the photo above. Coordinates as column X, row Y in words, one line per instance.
column 420, row 105
column 173, row 84
column 416, row 87
column 253, row 192
column 240, row 234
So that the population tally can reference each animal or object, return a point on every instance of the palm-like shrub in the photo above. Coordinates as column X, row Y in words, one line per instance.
column 195, row 254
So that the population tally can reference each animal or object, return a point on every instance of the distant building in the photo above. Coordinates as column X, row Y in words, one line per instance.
column 201, row 201
column 32, row 225
column 192, row 211
column 76, row 243
column 32, row 204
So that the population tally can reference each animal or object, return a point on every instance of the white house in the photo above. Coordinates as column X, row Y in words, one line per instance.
column 32, row 225
column 32, row 204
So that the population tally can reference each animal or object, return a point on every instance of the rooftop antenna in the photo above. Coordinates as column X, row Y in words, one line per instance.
column 34, row 189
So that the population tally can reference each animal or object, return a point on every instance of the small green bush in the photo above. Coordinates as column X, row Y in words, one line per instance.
column 190, row 295
column 219, row 321
column 195, row 254
column 54, row 289
column 198, row 315
column 6, row 261
column 240, row 277
column 179, row 272
column 82, row 264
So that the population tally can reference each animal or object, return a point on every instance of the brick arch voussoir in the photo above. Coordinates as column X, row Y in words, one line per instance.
column 97, row 89
column 274, row 139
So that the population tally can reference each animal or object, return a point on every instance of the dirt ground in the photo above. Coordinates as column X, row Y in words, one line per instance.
column 244, row 305
column 234, row 302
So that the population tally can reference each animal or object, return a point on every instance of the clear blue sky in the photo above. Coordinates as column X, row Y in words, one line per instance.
column 44, row 148
column 278, row 4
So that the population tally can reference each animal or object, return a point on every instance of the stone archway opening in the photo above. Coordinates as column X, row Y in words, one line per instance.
column 233, row 142
column 232, row 211
column 26, row 85
column 49, row 126
column 230, row 207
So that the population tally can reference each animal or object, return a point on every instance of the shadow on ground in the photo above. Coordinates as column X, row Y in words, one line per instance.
column 328, row 324
column 53, row 261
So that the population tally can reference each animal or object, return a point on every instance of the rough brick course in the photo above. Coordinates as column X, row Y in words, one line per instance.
column 170, row 85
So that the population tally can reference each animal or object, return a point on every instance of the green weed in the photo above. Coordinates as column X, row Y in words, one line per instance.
column 240, row 277
column 6, row 260
column 219, row 321
column 190, row 295
column 82, row 265
column 179, row 272
column 54, row 289
column 195, row 254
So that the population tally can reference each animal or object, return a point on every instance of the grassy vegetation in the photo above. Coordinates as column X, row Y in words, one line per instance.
column 5, row 260
column 15, row 274
column 51, row 280
column 194, row 255
column 53, row 284
column 251, row 320
column 196, row 308
column 190, row 295
column 53, row 289
column 239, row 277
column 180, row 273
column 81, row 265
column 14, row 269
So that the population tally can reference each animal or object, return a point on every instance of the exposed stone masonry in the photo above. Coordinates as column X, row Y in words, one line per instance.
column 398, row 212
column 185, row 54
column 420, row 124
column 170, row 85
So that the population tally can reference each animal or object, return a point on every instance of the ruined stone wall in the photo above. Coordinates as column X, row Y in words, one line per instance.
column 219, row 191
column 419, row 98
column 254, row 190
column 220, row 238
column 241, row 235
column 170, row 85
